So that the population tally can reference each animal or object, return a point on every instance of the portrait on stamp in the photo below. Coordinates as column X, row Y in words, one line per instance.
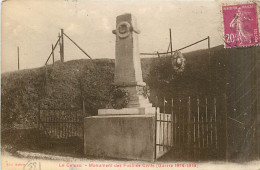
column 240, row 25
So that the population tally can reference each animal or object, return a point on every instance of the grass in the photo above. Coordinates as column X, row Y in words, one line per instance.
column 230, row 71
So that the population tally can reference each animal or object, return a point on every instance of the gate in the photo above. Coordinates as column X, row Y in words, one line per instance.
column 61, row 123
column 192, row 127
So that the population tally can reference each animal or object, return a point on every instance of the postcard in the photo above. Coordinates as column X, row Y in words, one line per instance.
column 130, row 84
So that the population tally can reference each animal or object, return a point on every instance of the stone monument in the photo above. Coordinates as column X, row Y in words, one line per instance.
column 127, row 132
column 128, row 72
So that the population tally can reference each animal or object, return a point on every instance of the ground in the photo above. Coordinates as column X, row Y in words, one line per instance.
column 49, row 161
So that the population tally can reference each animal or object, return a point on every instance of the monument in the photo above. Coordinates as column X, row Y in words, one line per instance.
column 128, row 130
column 128, row 72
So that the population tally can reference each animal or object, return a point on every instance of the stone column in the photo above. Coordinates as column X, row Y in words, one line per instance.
column 128, row 72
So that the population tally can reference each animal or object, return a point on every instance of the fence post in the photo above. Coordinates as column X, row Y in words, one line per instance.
column 194, row 136
column 226, row 127
column 155, row 128
column 62, row 46
column 189, row 126
column 198, row 109
column 172, row 123
column 207, row 122
column 18, row 53
column 179, row 123
column 215, row 118
column 163, row 123
column 171, row 40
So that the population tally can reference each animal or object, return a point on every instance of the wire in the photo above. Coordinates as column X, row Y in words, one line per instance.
column 77, row 45
column 177, row 49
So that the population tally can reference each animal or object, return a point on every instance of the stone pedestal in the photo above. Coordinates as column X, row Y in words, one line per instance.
column 124, row 137
column 127, row 136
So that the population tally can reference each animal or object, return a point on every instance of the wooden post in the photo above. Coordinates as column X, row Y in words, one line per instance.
column 179, row 123
column 209, row 65
column 18, row 58
column 163, row 123
column 175, row 129
column 171, row 40
column 167, row 132
column 208, row 42
column 163, row 131
column 155, row 128
column 160, row 132
column 189, row 125
column 183, row 121
column 194, row 136
column 159, row 58
column 198, row 107
column 158, row 55
column 215, row 115
column 168, row 47
column 207, row 123
column 62, row 46
column 226, row 127
column 172, row 121
column 52, row 53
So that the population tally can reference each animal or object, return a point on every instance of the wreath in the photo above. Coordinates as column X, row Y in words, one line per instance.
column 178, row 62
column 145, row 91
column 119, row 98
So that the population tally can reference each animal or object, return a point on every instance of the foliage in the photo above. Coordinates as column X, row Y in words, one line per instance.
column 206, row 73
column 62, row 85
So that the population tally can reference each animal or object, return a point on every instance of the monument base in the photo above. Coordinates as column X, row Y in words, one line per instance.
column 128, row 111
column 126, row 136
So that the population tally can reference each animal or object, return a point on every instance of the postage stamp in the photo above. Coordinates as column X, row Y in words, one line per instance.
column 240, row 25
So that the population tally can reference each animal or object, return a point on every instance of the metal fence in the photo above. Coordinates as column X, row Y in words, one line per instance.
column 194, row 126
column 61, row 123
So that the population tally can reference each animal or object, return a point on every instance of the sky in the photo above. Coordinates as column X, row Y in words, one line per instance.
column 33, row 25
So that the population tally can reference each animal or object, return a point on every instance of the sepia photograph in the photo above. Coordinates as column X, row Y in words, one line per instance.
column 130, row 84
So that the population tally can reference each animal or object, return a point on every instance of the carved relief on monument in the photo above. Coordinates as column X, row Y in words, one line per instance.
column 123, row 29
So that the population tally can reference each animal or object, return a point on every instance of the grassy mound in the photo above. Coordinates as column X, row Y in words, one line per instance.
column 230, row 71
column 68, row 84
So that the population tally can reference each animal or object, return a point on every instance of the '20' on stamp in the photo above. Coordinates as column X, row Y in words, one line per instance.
column 240, row 25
